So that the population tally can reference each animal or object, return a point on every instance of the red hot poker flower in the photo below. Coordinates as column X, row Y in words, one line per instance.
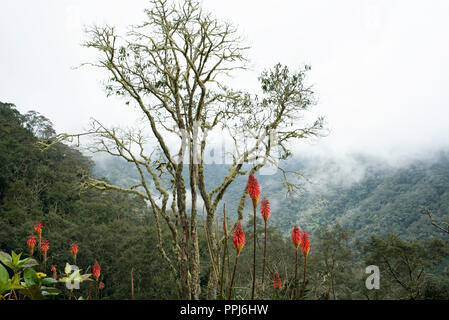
column 44, row 248
column 74, row 249
column 265, row 209
column 277, row 283
column 101, row 285
column 31, row 242
column 239, row 238
column 296, row 237
column 53, row 269
column 253, row 188
column 305, row 243
column 38, row 228
column 96, row 270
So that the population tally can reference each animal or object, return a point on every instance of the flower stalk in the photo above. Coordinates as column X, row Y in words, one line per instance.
column 296, row 239
column 254, row 193
column 44, row 249
column 265, row 211
column 305, row 248
column 225, row 252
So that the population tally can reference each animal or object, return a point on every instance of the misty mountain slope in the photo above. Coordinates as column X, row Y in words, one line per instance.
column 367, row 196
column 385, row 200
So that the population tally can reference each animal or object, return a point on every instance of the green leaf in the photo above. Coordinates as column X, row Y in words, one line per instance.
column 15, row 258
column 30, row 277
column 49, row 291
column 4, row 257
column 29, row 263
column 33, row 292
column 14, row 282
column 49, row 281
column 4, row 276
column 20, row 263
column 7, row 260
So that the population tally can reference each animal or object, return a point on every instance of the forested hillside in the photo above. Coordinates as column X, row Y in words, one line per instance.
column 113, row 228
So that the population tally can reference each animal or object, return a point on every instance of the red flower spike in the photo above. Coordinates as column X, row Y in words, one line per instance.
column 38, row 228
column 31, row 242
column 239, row 238
column 101, row 286
column 96, row 270
column 44, row 248
column 305, row 243
column 296, row 237
column 265, row 209
column 74, row 249
column 277, row 283
column 253, row 188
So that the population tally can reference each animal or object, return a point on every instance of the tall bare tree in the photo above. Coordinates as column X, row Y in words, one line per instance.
column 173, row 68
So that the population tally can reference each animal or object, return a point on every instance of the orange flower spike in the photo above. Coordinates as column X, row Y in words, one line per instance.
column 96, row 270
column 253, row 189
column 296, row 237
column 53, row 269
column 101, row 286
column 74, row 249
column 277, row 283
column 239, row 238
column 44, row 248
column 38, row 228
column 31, row 242
column 265, row 209
column 305, row 243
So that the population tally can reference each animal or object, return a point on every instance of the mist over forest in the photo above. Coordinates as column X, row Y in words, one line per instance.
column 365, row 193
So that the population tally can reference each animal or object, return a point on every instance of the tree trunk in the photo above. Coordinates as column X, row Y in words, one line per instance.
column 195, row 252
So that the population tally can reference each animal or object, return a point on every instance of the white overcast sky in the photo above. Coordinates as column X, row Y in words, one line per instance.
column 380, row 68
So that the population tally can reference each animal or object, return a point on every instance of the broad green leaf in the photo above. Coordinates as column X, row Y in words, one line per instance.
column 29, row 263
column 3, row 289
column 30, row 277
column 6, row 259
column 20, row 263
column 4, row 276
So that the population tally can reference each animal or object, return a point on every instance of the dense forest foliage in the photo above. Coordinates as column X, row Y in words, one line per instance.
column 375, row 220
column 113, row 228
